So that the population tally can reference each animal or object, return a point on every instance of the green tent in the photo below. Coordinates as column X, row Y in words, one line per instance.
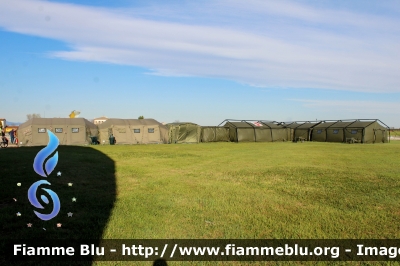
column 320, row 131
column 214, row 134
column 278, row 132
column 133, row 131
column 301, row 130
column 364, row 131
column 183, row 132
column 335, row 133
column 255, row 131
column 69, row 131
column 354, row 131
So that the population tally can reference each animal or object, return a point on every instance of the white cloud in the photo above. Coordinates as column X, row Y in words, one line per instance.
column 263, row 53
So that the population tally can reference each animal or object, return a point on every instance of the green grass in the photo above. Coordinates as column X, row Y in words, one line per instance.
column 395, row 133
column 255, row 190
column 220, row 190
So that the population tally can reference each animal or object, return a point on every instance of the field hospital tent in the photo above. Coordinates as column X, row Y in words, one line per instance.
column 301, row 130
column 70, row 131
column 214, row 134
column 132, row 131
column 335, row 133
column 367, row 131
column 320, row 131
column 278, row 132
column 184, row 132
column 354, row 131
column 255, row 131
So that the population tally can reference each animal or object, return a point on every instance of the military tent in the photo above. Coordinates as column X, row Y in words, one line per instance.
column 366, row 131
column 355, row 131
column 70, row 131
column 184, row 132
column 132, row 131
column 278, row 132
column 214, row 134
column 335, row 133
column 255, row 131
column 320, row 131
column 301, row 130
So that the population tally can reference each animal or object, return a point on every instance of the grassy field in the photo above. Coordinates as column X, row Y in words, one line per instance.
column 395, row 133
column 215, row 190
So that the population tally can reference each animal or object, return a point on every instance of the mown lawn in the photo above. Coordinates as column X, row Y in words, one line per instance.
column 395, row 133
column 224, row 190
column 256, row 190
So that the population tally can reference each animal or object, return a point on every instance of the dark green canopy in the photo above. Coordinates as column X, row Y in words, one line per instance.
column 214, row 134
column 301, row 130
column 359, row 131
column 255, row 131
column 184, row 132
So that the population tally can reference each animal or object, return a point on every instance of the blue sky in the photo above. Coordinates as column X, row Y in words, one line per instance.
column 201, row 61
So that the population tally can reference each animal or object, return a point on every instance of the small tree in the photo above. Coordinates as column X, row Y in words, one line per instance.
column 30, row 116
column 141, row 117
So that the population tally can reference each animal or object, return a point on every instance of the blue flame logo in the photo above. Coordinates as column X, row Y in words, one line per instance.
column 44, row 168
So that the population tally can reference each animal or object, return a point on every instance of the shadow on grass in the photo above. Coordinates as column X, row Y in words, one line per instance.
column 160, row 262
column 92, row 175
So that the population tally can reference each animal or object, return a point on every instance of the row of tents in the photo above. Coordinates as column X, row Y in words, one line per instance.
column 79, row 131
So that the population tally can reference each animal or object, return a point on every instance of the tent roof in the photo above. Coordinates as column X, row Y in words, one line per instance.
column 307, row 125
column 291, row 125
column 303, row 125
column 212, row 127
column 361, row 124
column 57, row 121
column 181, row 123
column 251, row 124
column 325, row 124
column 273, row 125
column 341, row 124
column 243, row 125
column 129, row 122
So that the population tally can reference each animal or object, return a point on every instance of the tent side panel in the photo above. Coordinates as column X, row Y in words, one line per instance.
column 301, row 133
column 319, row 134
column 380, row 134
column 76, row 135
column 232, row 133
column 61, row 131
column 25, row 136
column 356, row 133
column 245, row 135
column 104, row 135
column 335, row 135
column 207, row 134
column 164, row 136
column 279, row 134
column 39, row 135
column 263, row 134
column 153, row 134
column 369, row 134
column 119, row 132
column 222, row 134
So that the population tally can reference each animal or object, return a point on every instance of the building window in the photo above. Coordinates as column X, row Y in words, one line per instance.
column 151, row 130
column 354, row 132
column 335, row 131
column 41, row 130
column 319, row 131
column 75, row 130
column 136, row 130
column 59, row 130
